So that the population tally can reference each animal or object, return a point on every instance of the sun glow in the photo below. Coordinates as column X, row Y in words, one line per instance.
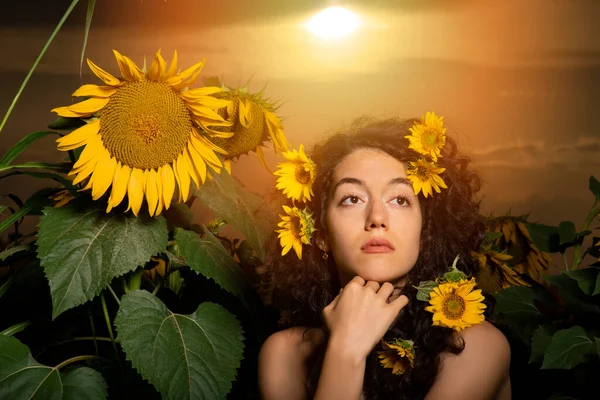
column 333, row 22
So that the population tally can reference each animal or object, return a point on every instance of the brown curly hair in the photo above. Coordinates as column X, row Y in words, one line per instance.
column 451, row 226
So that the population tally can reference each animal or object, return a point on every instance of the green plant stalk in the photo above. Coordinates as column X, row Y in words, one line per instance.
column 135, row 280
column 157, row 288
column 83, row 338
column 110, row 331
column 37, row 61
column 564, row 257
column 93, row 326
column 110, row 289
column 15, row 328
column 577, row 258
column 76, row 359
column 6, row 285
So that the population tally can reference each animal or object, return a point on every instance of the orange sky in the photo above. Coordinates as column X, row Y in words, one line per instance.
column 517, row 80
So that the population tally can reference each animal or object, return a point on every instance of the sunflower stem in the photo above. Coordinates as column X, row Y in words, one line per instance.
column 37, row 61
column 114, row 295
column 76, row 359
column 110, row 331
column 564, row 257
column 156, row 289
column 135, row 280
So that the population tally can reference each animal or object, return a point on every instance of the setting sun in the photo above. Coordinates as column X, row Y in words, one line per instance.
column 333, row 22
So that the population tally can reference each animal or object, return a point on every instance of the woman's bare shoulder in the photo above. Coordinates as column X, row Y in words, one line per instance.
column 481, row 369
column 282, row 362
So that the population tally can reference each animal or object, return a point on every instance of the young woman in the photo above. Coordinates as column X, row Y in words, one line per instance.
column 393, row 207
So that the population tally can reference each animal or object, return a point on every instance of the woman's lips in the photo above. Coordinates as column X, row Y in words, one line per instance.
column 378, row 245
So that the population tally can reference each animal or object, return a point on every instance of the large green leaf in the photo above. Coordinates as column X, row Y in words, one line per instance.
column 33, row 205
column 540, row 340
column 572, row 294
column 208, row 257
column 567, row 349
column 22, row 144
column 21, row 377
column 516, row 304
column 566, row 232
column 588, row 279
column 544, row 237
column 595, row 187
column 191, row 356
column 42, row 175
column 61, row 167
column 228, row 199
column 83, row 249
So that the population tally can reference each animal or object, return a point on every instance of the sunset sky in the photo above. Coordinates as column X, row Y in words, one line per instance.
column 518, row 82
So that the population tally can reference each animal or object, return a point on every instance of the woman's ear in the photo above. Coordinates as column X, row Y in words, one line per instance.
column 322, row 243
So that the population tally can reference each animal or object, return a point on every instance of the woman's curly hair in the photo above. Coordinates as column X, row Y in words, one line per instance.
column 451, row 226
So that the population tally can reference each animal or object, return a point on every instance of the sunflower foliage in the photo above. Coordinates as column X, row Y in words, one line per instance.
column 118, row 291
column 551, row 320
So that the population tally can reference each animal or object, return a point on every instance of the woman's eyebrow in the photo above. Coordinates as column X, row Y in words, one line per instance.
column 343, row 181
column 400, row 180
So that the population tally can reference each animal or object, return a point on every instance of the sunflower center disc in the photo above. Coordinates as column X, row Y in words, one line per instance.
column 454, row 306
column 430, row 138
column 295, row 226
column 245, row 139
column 302, row 174
column 145, row 125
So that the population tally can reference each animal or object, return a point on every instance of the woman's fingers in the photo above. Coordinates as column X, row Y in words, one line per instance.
column 373, row 285
column 400, row 302
column 385, row 290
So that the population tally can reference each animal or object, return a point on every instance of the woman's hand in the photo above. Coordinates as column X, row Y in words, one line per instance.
column 361, row 314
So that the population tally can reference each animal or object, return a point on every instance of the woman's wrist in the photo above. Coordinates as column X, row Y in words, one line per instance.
column 346, row 352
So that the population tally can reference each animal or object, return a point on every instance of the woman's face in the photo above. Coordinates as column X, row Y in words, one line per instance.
column 373, row 218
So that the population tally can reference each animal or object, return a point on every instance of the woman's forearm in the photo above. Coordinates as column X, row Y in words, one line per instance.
column 342, row 374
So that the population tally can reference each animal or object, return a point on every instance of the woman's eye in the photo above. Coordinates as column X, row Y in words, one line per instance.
column 351, row 200
column 402, row 201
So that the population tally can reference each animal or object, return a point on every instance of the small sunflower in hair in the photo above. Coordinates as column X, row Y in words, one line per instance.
column 428, row 136
column 454, row 301
column 296, row 175
column 297, row 227
column 398, row 355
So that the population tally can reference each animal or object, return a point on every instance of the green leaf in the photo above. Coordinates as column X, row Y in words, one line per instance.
column 567, row 349
column 492, row 236
column 544, row 237
column 83, row 249
column 191, row 356
column 64, row 123
column 424, row 289
column 21, row 377
column 541, row 338
column 595, row 187
column 15, row 328
column 239, row 208
column 61, row 167
column 88, row 23
column 33, row 205
column 597, row 341
column 516, row 303
column 572, row 295
column 208, row 257
column 566, row 231
column 588, row 279
column 13, row 250
column 42, row 175
column 22, row 144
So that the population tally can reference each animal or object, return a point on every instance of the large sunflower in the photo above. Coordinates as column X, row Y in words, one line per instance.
column 428, row 136
column 297, row 175
column 252, row 122
column 297, row 227
column 145, row 133
column 456, row 305
column 494, row 274
column 398, row 355
column 424, row 176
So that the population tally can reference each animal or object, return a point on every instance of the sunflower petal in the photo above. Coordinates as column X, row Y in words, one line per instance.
column 204, row 149
column 82, row 109
column 244, row 113
column 84, row 171
column 78, row 137
column 103, row 75
column 202, row 92
column 161, row 204
column 261, row 157
column 119, row 186
column 190, row 168
column 94, row 91
column 185, row 78
column 129, row 71
column 181, row 171
column 92, row 148
column 151, row 192
column 198, row 164
column 172, row 71
column 168, row 184
column 102, row 177
column 135, row 190
column 157, row 68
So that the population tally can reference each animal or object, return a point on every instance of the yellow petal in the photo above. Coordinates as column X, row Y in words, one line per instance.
column 85, row 171
column 172, row 67
column 186, row 78
column 135, row 190
column 91, row 151
column 94, row 91
column 103, row 175
column 168, row 184
column 244, row 113
column 151, row 191
column 102, row 74
column 190, row 168
column 129, row 71
column 119, row 186
column 261, row 157
column 227, row 166
column 78, row 137
column 158, row 68
column 161, row 203
column 184, row 177
column 180, row 198
column 202, row 92
column 198, row 164
column 82, row 109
